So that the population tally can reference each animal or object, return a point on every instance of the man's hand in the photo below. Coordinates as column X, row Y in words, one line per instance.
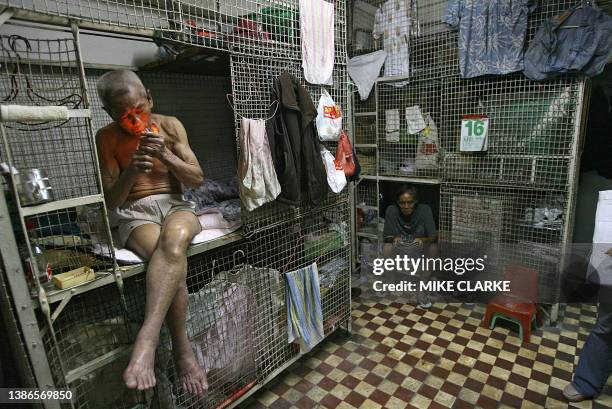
column 419, row 241
column 396, row 240
column 142, row 161
column 152, row 144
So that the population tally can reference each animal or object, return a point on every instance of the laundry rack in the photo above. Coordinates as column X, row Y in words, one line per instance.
column 86, row 332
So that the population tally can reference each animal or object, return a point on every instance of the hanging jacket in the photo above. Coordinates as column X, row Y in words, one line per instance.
column 294, row 144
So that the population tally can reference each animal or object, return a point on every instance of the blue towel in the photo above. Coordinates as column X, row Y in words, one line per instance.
column 304, row 312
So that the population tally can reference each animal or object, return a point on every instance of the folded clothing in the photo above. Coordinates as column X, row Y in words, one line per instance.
column 211, row 192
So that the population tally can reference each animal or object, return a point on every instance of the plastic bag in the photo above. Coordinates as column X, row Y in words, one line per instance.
column 428, row 148
column 335, row 176
column 329, row 118
column 344, row 156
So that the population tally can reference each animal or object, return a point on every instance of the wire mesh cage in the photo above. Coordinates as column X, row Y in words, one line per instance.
column 408, row 115
column 261, row 27
column 46, row 73
column 252, row 80
column 524, row 226
column 531, row 130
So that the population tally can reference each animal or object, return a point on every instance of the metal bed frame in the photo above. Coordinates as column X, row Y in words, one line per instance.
column 272, row 238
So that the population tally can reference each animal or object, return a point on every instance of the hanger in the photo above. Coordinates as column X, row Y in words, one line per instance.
column 230, row 97
column 582, row 4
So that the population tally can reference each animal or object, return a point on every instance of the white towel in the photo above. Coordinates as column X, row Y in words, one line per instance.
column 317, row 29
column 364, row 70
column 600, row 268
column 258, row 181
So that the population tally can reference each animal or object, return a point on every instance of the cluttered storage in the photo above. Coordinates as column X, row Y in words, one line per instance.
column 198, row 196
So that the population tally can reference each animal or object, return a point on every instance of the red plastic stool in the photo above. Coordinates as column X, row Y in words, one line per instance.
column 519, row 304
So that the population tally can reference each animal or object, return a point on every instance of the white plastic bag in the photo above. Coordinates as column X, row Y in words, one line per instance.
column 335, row 177
column 329, row 118
column 428, row 147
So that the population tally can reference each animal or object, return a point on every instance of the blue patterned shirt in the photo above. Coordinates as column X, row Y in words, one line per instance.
column 491, row 34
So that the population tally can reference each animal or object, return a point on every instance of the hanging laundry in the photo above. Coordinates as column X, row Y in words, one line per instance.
column 258, row 181
column 364, row 70
column 317, row 29
column 225, row 349
column 304, row 312
column 396, row 22
column 578, row 40
column 491, row 34
column 294, row 144
column 392, row 125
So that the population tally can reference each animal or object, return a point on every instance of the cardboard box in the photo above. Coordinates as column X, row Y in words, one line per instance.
column 74, row 277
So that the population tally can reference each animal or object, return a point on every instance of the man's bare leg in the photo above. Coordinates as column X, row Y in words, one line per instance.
column 166, row 272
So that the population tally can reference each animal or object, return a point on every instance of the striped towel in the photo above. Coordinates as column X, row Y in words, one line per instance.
column 304, row 313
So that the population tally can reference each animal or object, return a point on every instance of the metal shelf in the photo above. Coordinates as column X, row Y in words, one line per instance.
column 368, row 235
column 366, row 207
column 132, row 270
column 360, row 114
column 61, row 204
column 366, row 145
column 410, row 179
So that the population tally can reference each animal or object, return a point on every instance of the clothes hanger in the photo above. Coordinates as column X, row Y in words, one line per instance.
column 582, row 4
column 230, row 97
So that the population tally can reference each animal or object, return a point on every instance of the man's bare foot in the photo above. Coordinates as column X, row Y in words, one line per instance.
column 192, row 376
column 140, row 373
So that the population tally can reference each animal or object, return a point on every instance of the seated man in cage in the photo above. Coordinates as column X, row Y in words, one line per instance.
column 410, row 230
column 145, row 161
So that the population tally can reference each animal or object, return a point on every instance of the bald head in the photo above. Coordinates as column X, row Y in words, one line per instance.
column 118, row 84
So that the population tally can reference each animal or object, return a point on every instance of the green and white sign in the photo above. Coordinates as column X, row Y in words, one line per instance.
column 474, row 133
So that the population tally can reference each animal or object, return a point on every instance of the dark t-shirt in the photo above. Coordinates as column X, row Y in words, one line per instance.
column 420, row 224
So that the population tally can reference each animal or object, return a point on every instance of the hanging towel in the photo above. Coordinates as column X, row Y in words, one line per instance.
column 364, row 70
column 258, row 181
column 317, row 26
column 304, row 312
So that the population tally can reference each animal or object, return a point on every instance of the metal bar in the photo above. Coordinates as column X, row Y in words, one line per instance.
column 358, row 114
column 62, row 204
column 21, row 297
column 580, row 120
column 14, row 334
column 97, row 363
column 34, row 16
column 5, row 16
column 423, row 181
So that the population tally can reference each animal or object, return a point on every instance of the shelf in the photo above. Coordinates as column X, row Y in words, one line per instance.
column 365, row 145
column 194, row 60
column 531, row 226
column 361, row 114
column 61, row 204
column 367, row 207
column 368, row 177
column 368, row 235
column 411, row 179
column 132, row 270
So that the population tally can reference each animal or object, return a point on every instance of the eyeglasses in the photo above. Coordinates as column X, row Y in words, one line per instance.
column 406, row 202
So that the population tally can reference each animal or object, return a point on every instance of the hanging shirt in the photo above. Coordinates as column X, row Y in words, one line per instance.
column 396, row 21
column 585, row 45
column 491, row 34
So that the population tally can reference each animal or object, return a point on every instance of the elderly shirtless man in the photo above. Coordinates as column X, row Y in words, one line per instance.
column 144, row 160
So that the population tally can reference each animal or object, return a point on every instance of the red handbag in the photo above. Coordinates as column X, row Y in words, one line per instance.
column 344, row 155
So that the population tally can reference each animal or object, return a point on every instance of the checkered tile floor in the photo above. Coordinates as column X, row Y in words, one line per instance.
column 401, row 356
